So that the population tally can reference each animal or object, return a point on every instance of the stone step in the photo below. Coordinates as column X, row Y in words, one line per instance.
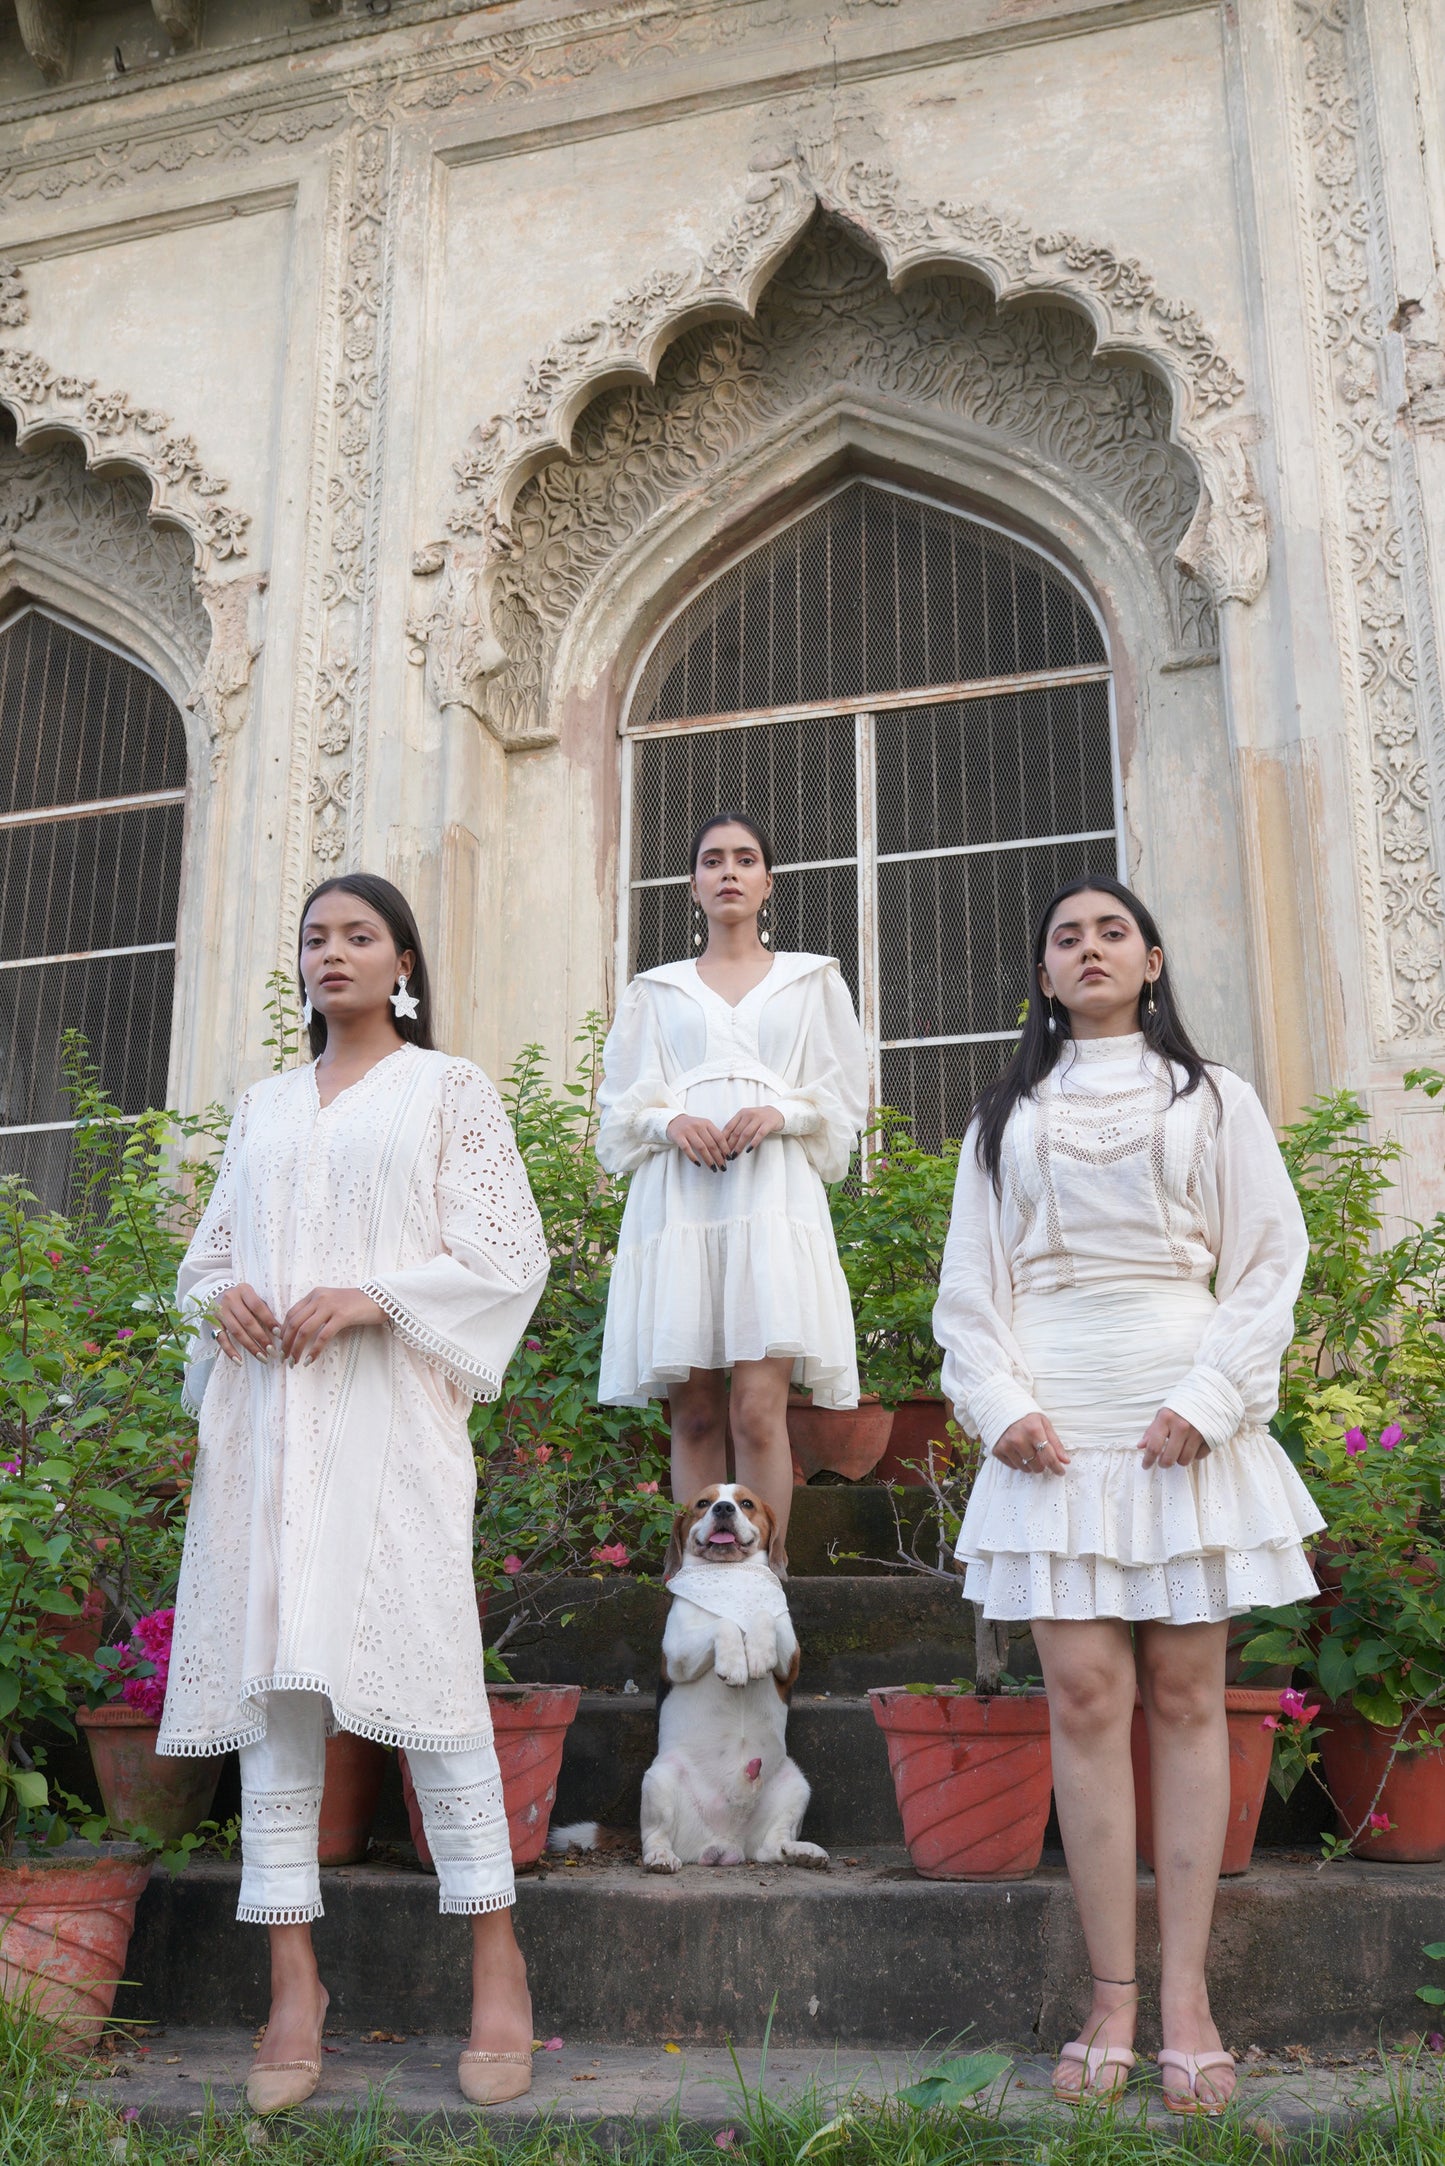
column 858, row 1529
column 864, row 1954
column 855, row 1631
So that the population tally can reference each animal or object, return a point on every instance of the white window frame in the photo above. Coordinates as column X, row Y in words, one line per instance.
column 865, row 708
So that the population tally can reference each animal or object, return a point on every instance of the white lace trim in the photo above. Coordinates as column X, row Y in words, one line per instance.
column 272, row 1914
column 470, row 1377
column 476, row 1906
column 380, row 1733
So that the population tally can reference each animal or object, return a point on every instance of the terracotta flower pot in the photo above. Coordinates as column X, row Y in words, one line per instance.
column 355, row 1770
column 65, row 1923
column 78, row 1635
column 530, row 1724
column 919, row 1438
column 1250, row 1749
column 137, row 1788
column 973, row 1779
column 848, row 1441
column 1355, row 1754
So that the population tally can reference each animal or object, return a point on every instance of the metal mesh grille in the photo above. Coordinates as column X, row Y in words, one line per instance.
column 874, row 591
column 88, row 898
column 916, row 837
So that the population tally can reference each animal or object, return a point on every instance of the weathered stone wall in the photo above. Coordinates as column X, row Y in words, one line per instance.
column 458, row 342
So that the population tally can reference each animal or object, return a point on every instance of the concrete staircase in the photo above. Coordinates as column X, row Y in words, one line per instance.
column 863, row 1956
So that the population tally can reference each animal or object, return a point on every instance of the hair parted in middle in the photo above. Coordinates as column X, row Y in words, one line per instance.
column 397, row 915
column 733, row 819
column 1040, row 1049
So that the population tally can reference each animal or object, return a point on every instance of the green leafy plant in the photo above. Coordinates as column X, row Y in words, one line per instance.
column 956, row 2083
column 1432, row 1995
column 891, row 1225
column 565, row 1485
column 94, row 1447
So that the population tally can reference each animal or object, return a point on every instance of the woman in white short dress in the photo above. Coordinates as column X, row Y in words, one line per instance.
column 735, row 1086
column 1117, row 1292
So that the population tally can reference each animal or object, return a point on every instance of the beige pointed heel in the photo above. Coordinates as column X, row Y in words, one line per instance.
column 273, row 2086
column 490, row 2079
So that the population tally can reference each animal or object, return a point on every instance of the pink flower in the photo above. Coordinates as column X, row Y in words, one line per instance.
column 10, row 1466
column 511, row 1566
column 543, row 1454
column 126, row 1331
column 1293, row 1704
column 726, row 2138
column 1390, row 1437
column 52, row 1255
column 1270, row 1722
column 1355, row 1442
column 1436, row 2042
column 647, row 1489
column 534, row 1346
column 1381, row 1822
column 85, row 1269
column 552, row 2045
column 88, row 1346
column 614, row 1553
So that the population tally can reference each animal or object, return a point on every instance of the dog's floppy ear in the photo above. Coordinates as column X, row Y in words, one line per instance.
column 673, row 1560
column 777, row 1543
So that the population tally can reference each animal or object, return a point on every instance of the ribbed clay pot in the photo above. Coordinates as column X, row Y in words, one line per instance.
column 849, row 1441
column 355, row 1771
column 917, row 1440
column 1356, row 1754
column 973, row 1778
column 137, row 1788
column 1250, row 1750
column 66, row 1917
column 530, row 1724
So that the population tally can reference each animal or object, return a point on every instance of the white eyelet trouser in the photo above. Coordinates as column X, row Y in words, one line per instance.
column 460, row 1794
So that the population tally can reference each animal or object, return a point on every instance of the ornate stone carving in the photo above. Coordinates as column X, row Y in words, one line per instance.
column 180, row 19
column 14, row 308
column 221, row 694
column 1375, row 544
column 47, row 31
column 829, row 325
column 110, row 426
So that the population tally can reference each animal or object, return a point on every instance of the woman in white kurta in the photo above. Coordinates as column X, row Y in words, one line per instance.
column 367, row 1262
column 1116, row 1295
column 735, row 1086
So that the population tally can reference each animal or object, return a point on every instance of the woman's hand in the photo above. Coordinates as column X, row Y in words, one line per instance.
column 699, row 1140
column 1171, row 1441
column 312, row 1322
column 1031, row 1446
column 244, row 1324
column 750, row 1127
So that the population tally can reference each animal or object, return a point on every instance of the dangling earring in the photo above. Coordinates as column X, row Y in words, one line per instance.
column 1151, row 1000
column 1053, row 1019
column 306, row 1013
column 765, row 920
column 403, row 1002
column 698, row 922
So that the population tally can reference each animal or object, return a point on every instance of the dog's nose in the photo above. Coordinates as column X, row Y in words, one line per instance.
column 724, row 1509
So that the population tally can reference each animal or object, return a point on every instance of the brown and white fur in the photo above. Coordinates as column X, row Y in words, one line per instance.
column 722, row 1790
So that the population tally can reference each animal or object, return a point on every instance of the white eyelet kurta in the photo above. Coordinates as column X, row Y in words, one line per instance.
column 714, row 1268
column 329, row 1542
column 1084, row 1292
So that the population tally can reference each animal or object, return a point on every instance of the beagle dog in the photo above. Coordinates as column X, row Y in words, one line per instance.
column 722, row 1790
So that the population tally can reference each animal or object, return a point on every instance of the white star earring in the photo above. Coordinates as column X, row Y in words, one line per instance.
column 402, row 1001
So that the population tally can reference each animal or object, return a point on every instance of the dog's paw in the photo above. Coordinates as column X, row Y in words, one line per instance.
column 732, row 1666
column 810, row 1854
column 661, row 1858
column 762, row 1654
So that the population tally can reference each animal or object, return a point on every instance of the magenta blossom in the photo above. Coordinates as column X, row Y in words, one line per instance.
column 150, row 1641
column 1390, row 1437
column 52, row 1255
column 534, row 1346
column 126, row 1331
column 614, row 1553
column 1380, row 1822
column 1292, row 1703
column 511, row 1566
column 1355, row 1442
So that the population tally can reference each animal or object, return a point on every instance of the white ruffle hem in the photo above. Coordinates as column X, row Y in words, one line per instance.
column 1111, row 1537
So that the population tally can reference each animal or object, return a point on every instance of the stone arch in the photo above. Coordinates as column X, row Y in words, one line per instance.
column 832, row 331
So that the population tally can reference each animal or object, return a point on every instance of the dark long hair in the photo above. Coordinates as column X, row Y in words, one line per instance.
column 396, row 914
column 733, row 819
column 1040, row 1049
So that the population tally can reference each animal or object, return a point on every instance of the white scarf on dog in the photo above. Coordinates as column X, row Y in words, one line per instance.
column 741, row 1594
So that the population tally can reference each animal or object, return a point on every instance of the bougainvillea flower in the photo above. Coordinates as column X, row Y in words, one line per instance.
column 613, row 1553
column 1380, row 1821
column 1355, row 1441
column 511, row 1566
column 1292, row 1703
column 1390, row 1437
column 1270, row 1722
column 647, row 1489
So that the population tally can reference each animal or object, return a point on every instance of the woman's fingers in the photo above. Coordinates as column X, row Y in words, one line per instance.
column 1032, row 1446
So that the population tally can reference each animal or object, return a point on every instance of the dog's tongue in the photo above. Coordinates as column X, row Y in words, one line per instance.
column 722, row 1541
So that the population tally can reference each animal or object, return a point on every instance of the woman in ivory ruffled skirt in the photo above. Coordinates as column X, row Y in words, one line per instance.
column 735, row 1086
column 1116, row 1295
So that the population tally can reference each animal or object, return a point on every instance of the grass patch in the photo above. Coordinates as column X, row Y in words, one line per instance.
column 44, row 2121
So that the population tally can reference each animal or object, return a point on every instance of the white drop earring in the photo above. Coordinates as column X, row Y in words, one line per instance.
column 1053, row 1019
column 765, row 921
column 403, row 1002
column 306, row 1013
column 698, row 922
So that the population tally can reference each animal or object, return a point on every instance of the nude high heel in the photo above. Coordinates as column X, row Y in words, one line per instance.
column 489, row 2079
column 272, row 2086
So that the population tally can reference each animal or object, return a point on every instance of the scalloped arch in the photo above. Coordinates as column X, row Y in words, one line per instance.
column 840, row 170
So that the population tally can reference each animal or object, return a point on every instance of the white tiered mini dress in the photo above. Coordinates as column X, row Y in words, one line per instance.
column 714, row 1268
column 1144, row 1253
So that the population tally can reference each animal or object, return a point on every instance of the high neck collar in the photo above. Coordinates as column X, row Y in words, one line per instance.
column 1130, row 1047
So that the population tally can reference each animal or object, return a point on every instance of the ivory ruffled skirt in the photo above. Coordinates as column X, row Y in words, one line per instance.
column 1111, row 1537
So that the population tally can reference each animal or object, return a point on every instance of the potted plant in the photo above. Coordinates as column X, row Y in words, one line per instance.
column 1363, row 1414
column 973, row 1775
column 891, row 1223
column 170, row 1797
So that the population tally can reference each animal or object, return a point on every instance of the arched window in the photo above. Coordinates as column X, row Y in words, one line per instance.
column 918, row 707
column 92, row 798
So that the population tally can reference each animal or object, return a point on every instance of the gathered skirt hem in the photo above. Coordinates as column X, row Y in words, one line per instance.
column 1203, row 1589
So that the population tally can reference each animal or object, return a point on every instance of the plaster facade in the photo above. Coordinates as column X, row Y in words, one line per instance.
column 445, row 348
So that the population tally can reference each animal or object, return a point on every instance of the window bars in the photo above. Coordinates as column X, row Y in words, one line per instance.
column 918, row 708
column 92, row 795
